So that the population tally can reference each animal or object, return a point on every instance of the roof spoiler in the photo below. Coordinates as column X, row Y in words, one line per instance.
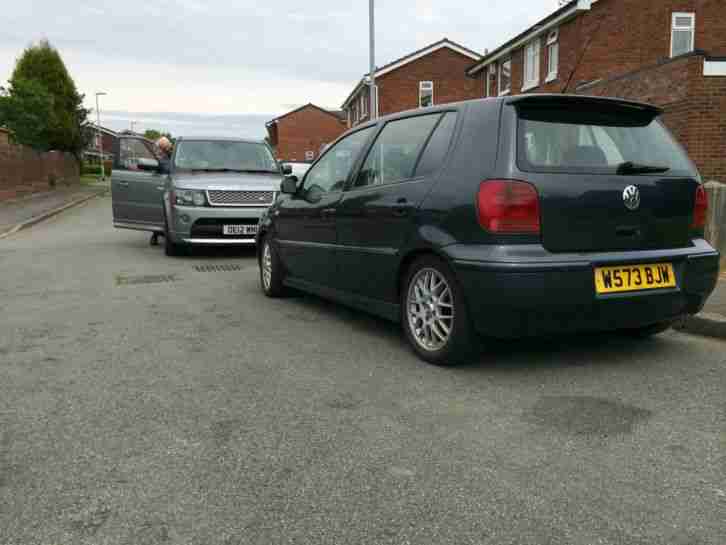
column 605, row 103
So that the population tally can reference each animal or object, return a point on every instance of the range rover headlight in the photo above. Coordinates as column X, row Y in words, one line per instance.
column 190, row 197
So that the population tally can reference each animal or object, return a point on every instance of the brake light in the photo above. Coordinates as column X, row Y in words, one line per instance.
column 700, row 208
column 508, row 207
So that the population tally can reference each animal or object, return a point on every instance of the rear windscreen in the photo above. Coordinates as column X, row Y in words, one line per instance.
column 598, row 145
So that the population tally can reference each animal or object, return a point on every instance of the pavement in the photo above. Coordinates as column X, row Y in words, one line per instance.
column 20, row 213
column 154, row 400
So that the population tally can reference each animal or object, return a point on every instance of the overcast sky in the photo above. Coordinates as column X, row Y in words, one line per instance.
column 253, row 59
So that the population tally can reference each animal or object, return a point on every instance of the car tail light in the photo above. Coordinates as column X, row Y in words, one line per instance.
column 700, row 208
column 508, row 207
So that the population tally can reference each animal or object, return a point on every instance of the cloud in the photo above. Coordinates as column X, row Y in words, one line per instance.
column 243, row 56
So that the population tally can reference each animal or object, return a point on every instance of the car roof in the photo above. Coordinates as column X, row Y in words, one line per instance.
column 528, row 98
column 220, row 139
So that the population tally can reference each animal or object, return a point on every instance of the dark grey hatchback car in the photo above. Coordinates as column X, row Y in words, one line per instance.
column 510, row 217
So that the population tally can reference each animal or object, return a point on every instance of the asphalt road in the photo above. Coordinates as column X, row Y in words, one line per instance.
column 143, row 401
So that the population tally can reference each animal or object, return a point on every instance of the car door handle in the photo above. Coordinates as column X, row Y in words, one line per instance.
column 401, row 208
column 328, row 212
column 160, row 187
column 400, row 211
column 125, row 184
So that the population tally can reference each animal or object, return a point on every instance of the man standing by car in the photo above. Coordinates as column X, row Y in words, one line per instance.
column 165, row 148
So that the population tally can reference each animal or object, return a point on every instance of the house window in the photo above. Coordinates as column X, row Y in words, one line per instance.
column 531, row 65
column 425, row 94
column 363, row 105
column 505, row 77
column 683, row 30
column 553, row 55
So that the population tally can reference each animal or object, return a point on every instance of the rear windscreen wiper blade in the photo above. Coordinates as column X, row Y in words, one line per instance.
column 628, row 167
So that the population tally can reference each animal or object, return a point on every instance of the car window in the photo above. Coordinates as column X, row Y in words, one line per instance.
column 133, row 149
column 224, row 155
column 435, row 152
column 552, row 145
column 394, row 155
column 331, row 172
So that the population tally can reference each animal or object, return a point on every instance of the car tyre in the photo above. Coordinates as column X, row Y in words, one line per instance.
column 649, row 330
column 271, row 274
column 171, row 248
column 434, row 314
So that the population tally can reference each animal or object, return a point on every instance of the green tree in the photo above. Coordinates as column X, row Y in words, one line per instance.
column 63, row 128
column 153, row 134
column 25, row 109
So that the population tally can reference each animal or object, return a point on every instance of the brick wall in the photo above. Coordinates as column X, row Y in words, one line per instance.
column 399, row 90
column 24, row 171
column 617, row 37
column 307, row 129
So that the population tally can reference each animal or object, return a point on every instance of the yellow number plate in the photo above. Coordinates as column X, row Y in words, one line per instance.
column 634, row 278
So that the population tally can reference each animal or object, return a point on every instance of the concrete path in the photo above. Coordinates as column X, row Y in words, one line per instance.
column 18, row 213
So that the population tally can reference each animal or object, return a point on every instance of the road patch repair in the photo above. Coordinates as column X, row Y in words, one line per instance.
column 132, row 280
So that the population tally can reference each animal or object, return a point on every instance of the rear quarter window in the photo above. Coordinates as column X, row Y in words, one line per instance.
column 548, row 143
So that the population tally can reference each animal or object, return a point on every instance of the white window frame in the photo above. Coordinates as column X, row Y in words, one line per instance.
column 363, row 105
column 533, row 54
column 490, row 71
column 553, row 44
column 691, row 28
column 508, row 90
column 425, row 86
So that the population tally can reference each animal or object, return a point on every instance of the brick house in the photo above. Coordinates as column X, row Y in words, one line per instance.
column 668, row 52
column 299, row 135
column 432, row 75
column 99, row 139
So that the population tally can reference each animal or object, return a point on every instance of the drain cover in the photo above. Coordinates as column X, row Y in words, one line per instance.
column 224, row 267
column 122, row 280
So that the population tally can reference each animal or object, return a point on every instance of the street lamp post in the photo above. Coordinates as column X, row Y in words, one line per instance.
column 100, row 134
column 372, row 90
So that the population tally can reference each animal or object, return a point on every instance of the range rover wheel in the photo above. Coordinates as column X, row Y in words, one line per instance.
column 171, row 248
column 270, row 270
column 434, row 314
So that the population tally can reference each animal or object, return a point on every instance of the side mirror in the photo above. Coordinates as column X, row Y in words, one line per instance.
column 289, row 185
column 286, row 169
column 147, row 164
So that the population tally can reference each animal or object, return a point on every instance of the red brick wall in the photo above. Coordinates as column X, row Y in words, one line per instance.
column 24, row 171
column 398, row 90
column 617, row 37
column 306, row 130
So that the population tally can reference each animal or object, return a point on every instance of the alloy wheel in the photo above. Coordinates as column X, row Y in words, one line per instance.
column 430, row 309
column 266, row 266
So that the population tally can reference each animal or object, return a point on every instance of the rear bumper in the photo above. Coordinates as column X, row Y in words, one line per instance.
column 523, row 291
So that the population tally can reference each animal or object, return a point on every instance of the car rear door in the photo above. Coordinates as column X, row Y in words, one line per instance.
column 306, row 222
column 375, row 216
column 137, row 187
column 609, row 175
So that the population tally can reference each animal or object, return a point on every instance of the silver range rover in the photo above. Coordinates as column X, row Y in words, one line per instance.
column 212, row 191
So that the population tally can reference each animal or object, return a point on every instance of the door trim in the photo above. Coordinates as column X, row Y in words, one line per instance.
column 138, row 226
column 345, row 248
column 389, row 311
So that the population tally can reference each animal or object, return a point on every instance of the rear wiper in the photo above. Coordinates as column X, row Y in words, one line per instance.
column 628, row 167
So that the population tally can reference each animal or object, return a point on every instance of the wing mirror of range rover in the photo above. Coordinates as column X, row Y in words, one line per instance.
column 289, row 185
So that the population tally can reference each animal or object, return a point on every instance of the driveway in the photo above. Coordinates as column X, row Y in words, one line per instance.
column 147, row 400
